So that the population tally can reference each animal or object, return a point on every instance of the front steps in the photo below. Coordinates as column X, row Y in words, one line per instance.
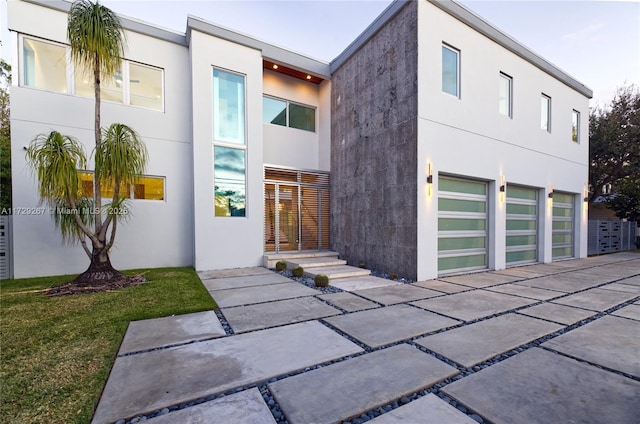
column 315, row 263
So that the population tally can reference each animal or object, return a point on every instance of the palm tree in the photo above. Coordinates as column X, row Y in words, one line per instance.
column 56, row 158
column 97, row 44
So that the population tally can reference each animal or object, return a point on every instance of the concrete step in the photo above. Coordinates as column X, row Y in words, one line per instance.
column 336, row 272
column 269, row 260
column 315, row 262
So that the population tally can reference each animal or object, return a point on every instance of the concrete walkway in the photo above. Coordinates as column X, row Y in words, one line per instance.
column 546, row 343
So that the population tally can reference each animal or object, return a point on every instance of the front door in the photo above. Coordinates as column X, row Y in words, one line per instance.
column 296, row 210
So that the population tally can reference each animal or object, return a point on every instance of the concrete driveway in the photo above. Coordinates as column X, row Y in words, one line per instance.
column 547, row 343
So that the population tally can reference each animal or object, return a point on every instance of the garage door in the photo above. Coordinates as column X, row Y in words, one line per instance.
column 522, row 225
column 563, row 226
column 462, row 225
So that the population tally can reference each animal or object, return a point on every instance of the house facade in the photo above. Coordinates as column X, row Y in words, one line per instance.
column 433, row 144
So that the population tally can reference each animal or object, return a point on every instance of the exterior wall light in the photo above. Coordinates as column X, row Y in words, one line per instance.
column 503, row 184
column 586, row 192
column 429, row 173
column 551, row 194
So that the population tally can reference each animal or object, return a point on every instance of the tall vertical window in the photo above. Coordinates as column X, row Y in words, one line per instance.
column 229, row 149
column 44, row 65
column 545, row 112
column 450, row 70
column 229, row 172
column 228, row 107
column 505, row 95
column 575, row 126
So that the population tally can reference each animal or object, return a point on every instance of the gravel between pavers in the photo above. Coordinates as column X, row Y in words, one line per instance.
column 368, row 415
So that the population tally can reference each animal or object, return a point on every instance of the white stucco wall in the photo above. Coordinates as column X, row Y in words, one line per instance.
column 158, row 233
column 467, row 136
column 226, row 242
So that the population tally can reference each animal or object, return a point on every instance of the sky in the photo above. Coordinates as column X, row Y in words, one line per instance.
column 596, row 42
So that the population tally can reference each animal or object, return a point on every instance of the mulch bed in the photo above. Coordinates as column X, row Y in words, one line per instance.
column 72, row 288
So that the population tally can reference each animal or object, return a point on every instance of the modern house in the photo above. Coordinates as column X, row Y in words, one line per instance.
column 433, row 144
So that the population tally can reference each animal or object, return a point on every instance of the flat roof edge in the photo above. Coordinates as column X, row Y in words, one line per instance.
column 127, row 23
column 269, row 51
column 477, row 23
column 382, row 19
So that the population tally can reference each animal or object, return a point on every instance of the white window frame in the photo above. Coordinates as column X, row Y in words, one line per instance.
column 458, row 69
column 548, row 121
column 287, row 103
column 71, row 73
column 230, row 145
column 502, row 78
column 576, row 114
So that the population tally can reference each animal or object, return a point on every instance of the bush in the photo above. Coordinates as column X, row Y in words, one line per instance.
column 281, row 266
column 297, row 271
column 321, row 280
column 393, row 276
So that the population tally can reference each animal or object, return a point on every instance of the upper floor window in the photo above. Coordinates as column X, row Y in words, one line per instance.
column 545, row 112
column 44, row 65
column 575, row 126
column 450, row 70
column 228, row 107
column 505, row 96
column 284, row 113
column 47, row 66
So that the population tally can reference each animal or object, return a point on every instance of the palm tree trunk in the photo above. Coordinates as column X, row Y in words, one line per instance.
column 100, row 270
column 97, row 195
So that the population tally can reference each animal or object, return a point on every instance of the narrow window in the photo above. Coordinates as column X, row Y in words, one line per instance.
column 106, row 189
column 44, row 65
column 145, row 86
column 505, row 95
column 302, row 117
column 545, row 113
column 228, row 107
column 575, row 126
column 230, row 182
column 274, row 111
column 450, row 70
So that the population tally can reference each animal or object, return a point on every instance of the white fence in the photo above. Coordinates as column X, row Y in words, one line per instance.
column 611, row 236
column 6, row 262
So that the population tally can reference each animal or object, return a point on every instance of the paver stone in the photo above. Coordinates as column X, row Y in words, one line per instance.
column 537, row 386
column 346, row 389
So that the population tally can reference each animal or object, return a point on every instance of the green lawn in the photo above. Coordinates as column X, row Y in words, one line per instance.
column 56, row 353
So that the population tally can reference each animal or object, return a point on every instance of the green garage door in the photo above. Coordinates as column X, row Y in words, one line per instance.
column 522, row 225
column 462, row 225
column 563, row 226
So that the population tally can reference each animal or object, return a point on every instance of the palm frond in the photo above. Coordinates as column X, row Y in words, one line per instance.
column 55, row 159
column 122, row 156
column 63, row 217
column 96, row 37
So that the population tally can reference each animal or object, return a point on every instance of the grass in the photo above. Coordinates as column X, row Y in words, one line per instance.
column 56, row 353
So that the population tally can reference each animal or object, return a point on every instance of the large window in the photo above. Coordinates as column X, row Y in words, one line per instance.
column 47, row 66
column 228, row 107
column 145, row 187
column 229, row 172
column 284, row 113
column 450, row 70
column 44, row 65
column 505, row 95
column 229, row 144
column 575, row 126
column 545, row 112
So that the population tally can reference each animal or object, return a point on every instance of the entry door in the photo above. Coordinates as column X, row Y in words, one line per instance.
column 563, row 226
column 462, row 225
column 522, row 225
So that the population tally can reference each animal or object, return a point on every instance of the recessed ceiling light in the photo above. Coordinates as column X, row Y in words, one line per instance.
column 308, row 76
column 275, row 66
